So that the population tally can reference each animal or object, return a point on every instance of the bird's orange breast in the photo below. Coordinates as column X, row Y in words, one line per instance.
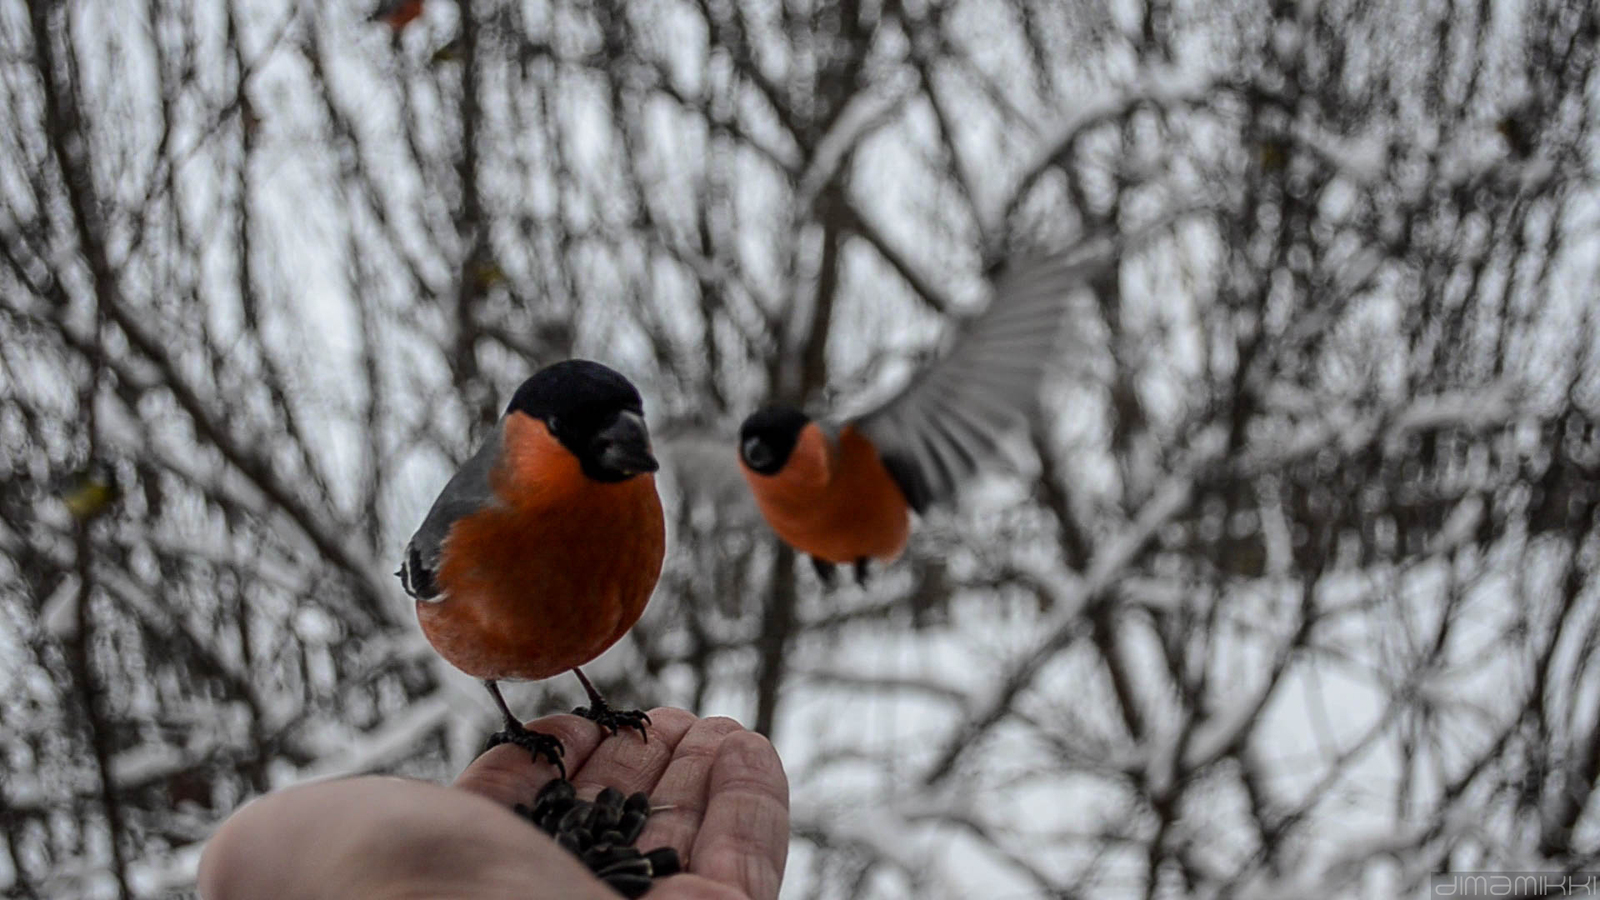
column 551, row 575
column 834, row 500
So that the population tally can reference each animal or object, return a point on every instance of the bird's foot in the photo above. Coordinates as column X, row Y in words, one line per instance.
column 861, row 572
column 613, row 720
column 824, row 570
column 535, row 742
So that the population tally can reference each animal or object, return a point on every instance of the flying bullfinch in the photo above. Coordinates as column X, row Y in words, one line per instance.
column 397, row 14
column 844, row 493
column 542, row 551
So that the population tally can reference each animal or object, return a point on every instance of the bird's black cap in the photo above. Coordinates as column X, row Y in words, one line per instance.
column 768, row 436
column 573, row 387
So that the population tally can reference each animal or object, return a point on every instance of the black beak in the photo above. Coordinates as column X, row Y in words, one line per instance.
column 624, row 445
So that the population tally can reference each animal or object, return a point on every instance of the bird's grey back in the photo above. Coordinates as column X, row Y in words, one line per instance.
column 466, row 492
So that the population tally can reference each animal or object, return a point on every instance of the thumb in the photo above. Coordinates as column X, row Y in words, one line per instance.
column 385, row 837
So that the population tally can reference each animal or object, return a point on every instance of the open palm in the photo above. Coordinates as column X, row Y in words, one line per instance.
column 388, row 837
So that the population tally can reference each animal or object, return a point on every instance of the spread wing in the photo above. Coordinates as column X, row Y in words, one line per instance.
column 951, row 418
column 466, row 492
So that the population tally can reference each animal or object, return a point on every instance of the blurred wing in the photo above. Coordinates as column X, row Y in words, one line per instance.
column 466, row 492
column 951, row 418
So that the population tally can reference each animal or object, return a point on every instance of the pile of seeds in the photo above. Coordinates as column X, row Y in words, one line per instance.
column 602, row 834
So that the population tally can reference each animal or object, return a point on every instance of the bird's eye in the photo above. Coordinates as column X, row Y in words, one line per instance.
column 756, row 453
column 553, row 423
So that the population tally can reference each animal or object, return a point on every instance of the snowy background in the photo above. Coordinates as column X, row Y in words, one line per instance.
column 1292, row 595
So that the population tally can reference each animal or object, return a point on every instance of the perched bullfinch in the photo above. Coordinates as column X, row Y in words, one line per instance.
column 397, row 14
column 844, row 493
column 542, row 551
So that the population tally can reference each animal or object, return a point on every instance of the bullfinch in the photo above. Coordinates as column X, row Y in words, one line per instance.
column 543, row 549
column 844, row 493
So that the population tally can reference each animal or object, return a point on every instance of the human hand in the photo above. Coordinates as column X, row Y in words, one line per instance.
column 389, row 837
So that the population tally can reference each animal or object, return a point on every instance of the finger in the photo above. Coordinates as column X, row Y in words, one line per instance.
column 682, row 787
column 744, row 836
column 629, row 764
column 379, row 836
column 508, row 775
column 688, row 886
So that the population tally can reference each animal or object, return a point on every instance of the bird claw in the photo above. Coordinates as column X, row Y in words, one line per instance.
column 827, row 572
column 614, row 720
column 535, row 742
column 824, row 570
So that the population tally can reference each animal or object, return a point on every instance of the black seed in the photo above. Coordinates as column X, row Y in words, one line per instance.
column 663, row 862
column 639, row 803
column 575, row 818
column 611, row 837
column 601, row 856
column 572, row 842
column 630, row 827
column 628, row 885
column 610, row 797
column 557, row 794
column 608, row 809
column 553, row 802
column 625, row 867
